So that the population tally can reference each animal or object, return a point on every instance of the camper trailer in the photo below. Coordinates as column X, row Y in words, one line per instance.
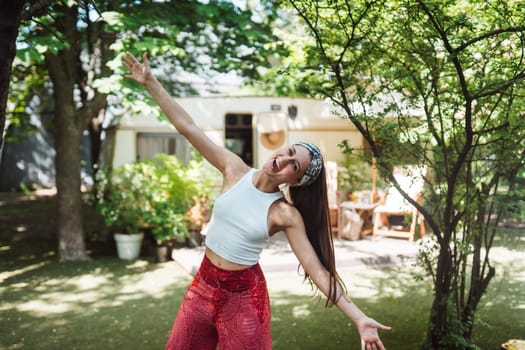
column 252, row 127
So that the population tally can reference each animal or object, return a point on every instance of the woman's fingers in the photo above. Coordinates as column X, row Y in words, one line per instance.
column 130, row 61
column 377, row 345
column 368, row 346
column 145, row 59
column 138, row 71
column 374, row 346
column 380, row 326
column 383, row 327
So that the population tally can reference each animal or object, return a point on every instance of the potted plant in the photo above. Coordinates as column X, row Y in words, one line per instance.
column 353, row 175
column 152, row 196
column 165, row 225
column 121, row 202
column 165, row 214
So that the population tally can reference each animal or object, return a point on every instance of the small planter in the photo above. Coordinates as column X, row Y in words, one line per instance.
column 160, row 253
column 128, row 245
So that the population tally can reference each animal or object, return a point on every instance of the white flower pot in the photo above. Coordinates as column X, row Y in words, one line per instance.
column 128, row 245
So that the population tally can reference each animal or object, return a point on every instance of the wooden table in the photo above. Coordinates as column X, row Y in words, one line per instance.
column 365, row 211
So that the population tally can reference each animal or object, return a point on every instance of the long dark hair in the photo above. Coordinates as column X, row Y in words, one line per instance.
column 312, row 203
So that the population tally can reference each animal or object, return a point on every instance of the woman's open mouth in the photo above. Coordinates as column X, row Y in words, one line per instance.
column 275, row 165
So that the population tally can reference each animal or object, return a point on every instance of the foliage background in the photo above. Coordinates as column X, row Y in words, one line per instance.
column 153, row 195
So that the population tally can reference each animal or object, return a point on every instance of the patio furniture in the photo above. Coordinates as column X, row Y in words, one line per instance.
column 395, row 216
column 360, row 220
column 334, row 198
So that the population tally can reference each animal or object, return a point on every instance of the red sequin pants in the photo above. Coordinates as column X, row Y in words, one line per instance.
column 229, row 308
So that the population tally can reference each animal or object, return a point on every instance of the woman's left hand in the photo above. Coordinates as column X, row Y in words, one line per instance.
column 140, row 72
column 370, row 340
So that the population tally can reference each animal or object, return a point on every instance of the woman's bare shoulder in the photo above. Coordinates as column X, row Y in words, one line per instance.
column 284, row 207
column 284, row 215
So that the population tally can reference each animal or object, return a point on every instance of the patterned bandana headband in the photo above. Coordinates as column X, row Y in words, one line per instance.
column 316, row 164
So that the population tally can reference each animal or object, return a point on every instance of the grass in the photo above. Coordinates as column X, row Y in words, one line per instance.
column 106, row 303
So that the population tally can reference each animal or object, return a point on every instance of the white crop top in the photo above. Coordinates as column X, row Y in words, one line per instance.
column 238, row 228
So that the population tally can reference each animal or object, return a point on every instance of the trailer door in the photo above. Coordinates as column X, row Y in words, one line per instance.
column 238, row 136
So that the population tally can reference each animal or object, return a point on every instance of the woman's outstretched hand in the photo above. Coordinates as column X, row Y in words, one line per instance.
column 140, row 72
column 368, row 332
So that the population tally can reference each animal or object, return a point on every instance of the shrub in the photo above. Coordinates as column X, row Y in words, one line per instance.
column 121, row 197
column 153, row 195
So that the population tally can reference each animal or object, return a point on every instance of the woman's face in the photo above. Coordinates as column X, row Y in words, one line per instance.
column 288, row 164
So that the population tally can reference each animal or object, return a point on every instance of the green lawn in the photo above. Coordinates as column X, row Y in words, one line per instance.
column 110, row 304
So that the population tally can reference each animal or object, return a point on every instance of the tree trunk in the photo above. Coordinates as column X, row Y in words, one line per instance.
column 71, row 246
column 439, row 312
column 10, row 14
column 478, row 285
column 438, row 322
column 69, row 125
column 95, row 133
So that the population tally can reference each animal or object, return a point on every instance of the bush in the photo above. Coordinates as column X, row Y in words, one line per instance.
column 121, row 198
column 153, row 195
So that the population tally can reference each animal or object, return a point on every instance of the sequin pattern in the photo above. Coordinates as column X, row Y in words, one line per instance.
column 228, row 308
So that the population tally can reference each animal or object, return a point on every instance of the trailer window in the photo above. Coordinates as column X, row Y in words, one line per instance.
column 150, row 144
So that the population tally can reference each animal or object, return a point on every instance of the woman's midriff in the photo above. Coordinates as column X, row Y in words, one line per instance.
column 223, row 263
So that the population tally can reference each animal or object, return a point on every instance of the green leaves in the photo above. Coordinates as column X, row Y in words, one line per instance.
column 114, row 20
column 440, row 85
column 181, row 37
column 154, row 195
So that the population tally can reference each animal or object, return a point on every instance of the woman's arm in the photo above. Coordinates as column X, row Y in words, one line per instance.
column 218, row 156
column 295, row 232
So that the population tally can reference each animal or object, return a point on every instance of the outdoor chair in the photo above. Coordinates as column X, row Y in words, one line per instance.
column 395, row 216
column 334, row 198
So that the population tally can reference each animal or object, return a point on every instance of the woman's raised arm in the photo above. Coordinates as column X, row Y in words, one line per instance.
column 218, row 156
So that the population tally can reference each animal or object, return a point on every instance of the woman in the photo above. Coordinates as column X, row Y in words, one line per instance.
column 227, row 303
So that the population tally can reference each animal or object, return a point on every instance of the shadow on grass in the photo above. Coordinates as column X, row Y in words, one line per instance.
column 395, row 298
column 300, row 322
column 99, row 304
column 312, row 327
column 107, row 303
column 510, row 238
column 399, row 301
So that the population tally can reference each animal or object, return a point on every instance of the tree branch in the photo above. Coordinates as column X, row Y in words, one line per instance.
column 488, row 35
column 36, row 9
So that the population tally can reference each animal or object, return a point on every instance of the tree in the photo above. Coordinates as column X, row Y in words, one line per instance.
column 76, row 46
column 438, row 84
column 10, row 15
